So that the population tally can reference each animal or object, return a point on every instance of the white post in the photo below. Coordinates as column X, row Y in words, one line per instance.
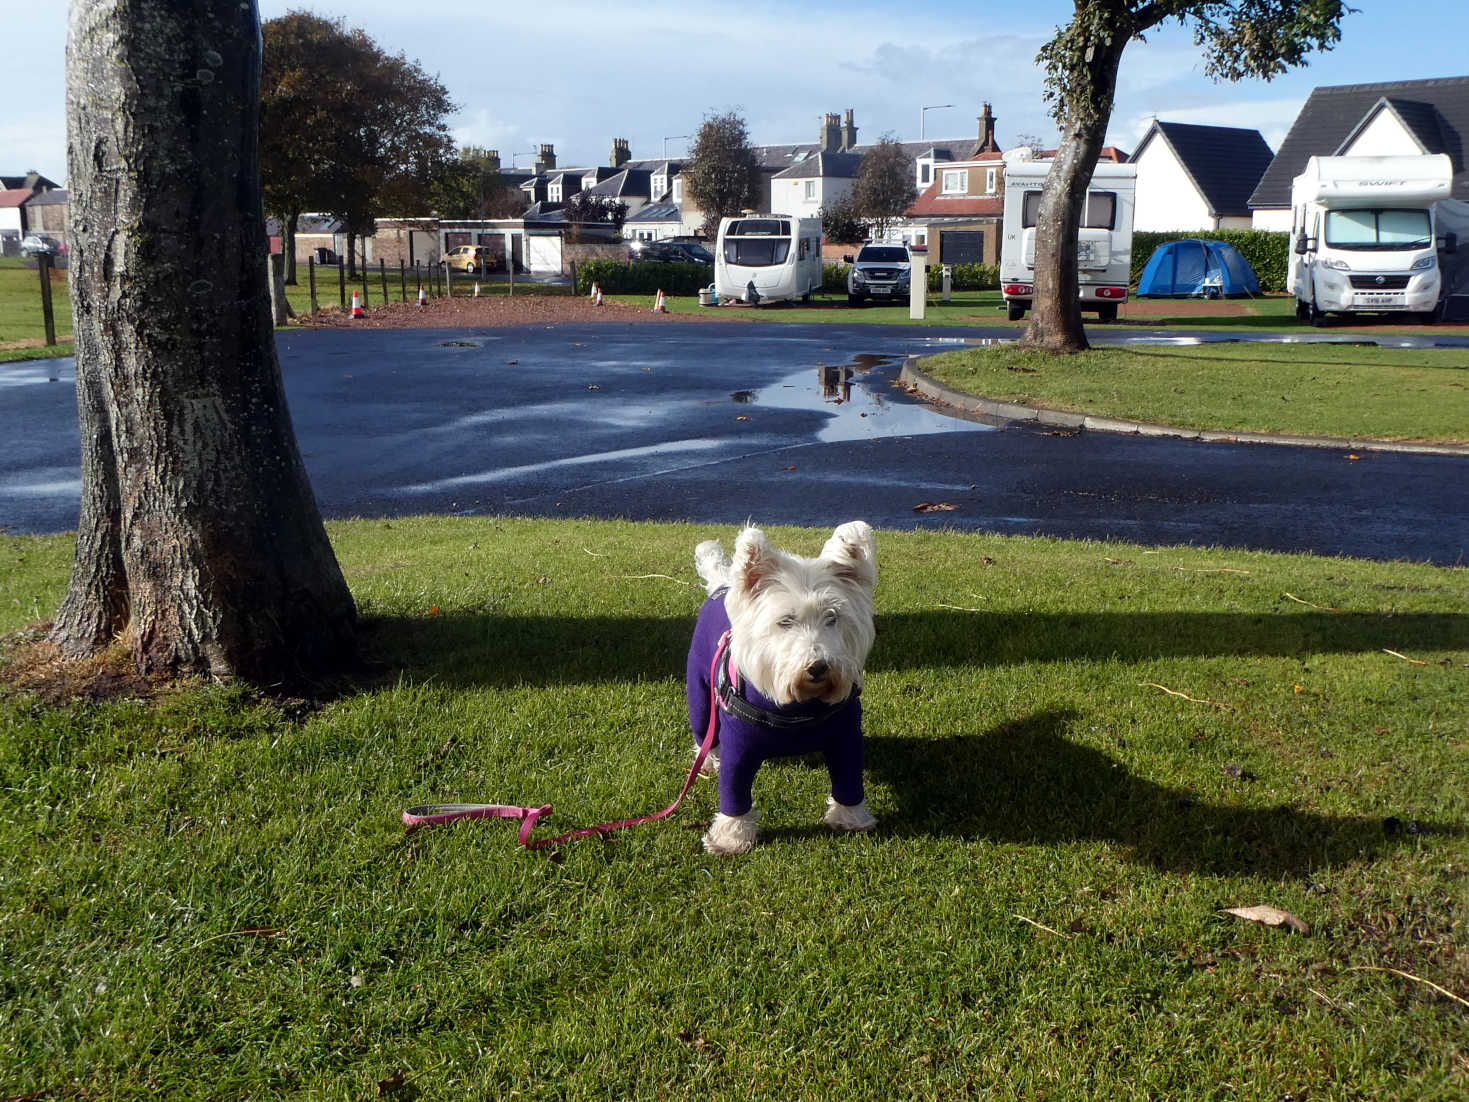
column 948, row 277
column 918, row 281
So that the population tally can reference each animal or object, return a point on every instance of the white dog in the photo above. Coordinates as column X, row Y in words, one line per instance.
column 789, row 683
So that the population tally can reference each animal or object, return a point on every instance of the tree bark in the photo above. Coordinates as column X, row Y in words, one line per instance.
column 1055, row 321
column 288, row 244
column 199, row 541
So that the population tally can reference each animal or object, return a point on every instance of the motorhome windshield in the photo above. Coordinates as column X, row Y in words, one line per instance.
column 1378, row 229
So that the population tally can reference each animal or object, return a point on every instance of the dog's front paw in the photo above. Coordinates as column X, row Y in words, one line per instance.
column 730, row 834
column 854, row 817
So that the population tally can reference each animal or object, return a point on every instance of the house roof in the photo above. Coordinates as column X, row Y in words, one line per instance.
column 13, row 197
column 1435, row 112
column 1225, row 163
column 630, row 181
column 657, row 212
column 824, row 165
column 31, row 181
column 57, row 197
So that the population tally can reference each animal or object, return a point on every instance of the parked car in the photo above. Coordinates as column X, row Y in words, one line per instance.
column 34, row 244
column 471, row 259
column 880, row 271
column 675, row 252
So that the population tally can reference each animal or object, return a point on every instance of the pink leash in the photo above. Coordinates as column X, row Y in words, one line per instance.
column 434, row 814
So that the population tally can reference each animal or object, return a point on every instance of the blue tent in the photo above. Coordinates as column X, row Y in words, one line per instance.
column 1195, row 267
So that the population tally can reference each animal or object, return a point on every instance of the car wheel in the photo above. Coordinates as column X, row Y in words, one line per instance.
column 1014, row 311
column 853, row 300
column 471, row 268
column 1316, row 316
column 1107, row 312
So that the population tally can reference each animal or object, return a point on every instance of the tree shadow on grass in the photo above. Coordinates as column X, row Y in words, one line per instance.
column 475, row 650
column 1025, row 782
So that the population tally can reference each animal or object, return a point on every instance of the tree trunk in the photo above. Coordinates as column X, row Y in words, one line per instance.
column 351, row 254
column 1055, row 321
column 199, row 541
column 288, row 244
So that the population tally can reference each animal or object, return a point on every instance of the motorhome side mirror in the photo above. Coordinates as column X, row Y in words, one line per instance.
column 1301, row 249
column 847, row 258
column 1450, row 243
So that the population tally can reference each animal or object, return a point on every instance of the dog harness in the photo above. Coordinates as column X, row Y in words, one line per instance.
column 753, row 728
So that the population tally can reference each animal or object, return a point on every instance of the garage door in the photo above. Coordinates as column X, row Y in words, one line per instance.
column 961, row 247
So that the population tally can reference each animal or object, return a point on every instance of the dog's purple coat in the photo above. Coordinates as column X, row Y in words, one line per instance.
column 745, row 746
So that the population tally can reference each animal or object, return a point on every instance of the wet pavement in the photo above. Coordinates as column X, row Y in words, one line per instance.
column 782, row 424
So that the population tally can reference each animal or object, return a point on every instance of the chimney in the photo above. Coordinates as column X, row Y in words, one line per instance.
column 545, row 159
column 987, row 143
column 492, row 160
column 849, row 133
column 621, row 154
column 831, row 133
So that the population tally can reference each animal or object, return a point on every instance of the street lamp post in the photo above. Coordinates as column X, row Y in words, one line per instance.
column 923, row 117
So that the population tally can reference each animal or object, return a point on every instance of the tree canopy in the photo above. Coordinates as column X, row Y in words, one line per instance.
column 884, row 187
column 470, row 185
column 1240, row 38
column 722, row 174
column 345, row 127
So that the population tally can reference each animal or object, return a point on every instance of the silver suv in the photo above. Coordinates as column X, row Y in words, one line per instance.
column 881, row 272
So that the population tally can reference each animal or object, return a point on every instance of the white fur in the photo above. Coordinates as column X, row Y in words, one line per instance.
column 730, row 834
column 801, row 629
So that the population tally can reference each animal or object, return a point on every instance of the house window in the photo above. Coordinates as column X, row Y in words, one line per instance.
column 555, row 193
column 678, row 189
column 925, row 173
column 660, row 185
column 810, row 189
column 956, row 181
column 991, row 180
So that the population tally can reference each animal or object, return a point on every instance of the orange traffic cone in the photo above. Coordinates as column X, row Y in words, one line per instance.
column 596, row 294
column 422, row 298
column 357, row 306
column 659, row 305
column 476, row 288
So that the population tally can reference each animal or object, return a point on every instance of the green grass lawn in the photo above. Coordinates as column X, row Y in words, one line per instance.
column 1315, row 390
column 21, row 317
column 1080, row 753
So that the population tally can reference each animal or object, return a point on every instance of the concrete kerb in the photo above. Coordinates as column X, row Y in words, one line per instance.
column 916, row 380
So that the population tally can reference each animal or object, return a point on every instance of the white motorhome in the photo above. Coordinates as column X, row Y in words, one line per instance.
column 1104, row 242
column 1366, row 237
column 767, row 258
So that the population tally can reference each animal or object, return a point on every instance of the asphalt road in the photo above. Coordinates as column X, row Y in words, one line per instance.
column 781, row 424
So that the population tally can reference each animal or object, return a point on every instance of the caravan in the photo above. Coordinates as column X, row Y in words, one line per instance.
column 767, row 258
column 1104, row 245
column 1367, row 232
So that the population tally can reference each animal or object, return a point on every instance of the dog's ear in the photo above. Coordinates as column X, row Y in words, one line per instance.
column 753, row 562
column 852, row 552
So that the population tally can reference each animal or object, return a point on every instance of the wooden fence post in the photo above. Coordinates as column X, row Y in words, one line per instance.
column 382, row 274
column 342, row 282
column 402, row 280
column 48, row 317
column 364, row 283
column 311, row 279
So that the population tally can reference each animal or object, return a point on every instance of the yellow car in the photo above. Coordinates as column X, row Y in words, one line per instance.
column 471, row 259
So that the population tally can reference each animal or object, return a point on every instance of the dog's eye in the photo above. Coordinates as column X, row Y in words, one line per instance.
column 785, row 623
column 831, row 617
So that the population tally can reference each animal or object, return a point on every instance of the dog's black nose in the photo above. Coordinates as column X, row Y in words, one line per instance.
column 818, row 669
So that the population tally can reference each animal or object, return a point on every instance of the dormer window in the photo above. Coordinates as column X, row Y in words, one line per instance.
column 925, row 173
column 956, row 181
column 678, row 189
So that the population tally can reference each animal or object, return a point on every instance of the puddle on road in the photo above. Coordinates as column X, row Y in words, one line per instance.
column 860, row 401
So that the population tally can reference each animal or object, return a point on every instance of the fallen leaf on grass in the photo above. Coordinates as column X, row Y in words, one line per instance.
column 934, row 507
column 788, row 468
column 1269, row 916
column 1354, row 457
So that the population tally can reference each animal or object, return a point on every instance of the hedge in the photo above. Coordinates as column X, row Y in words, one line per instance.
column 642, row 277
column 967, row 277
column 1267, row 251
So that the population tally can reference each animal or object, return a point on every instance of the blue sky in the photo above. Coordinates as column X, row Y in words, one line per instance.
column 578, row 73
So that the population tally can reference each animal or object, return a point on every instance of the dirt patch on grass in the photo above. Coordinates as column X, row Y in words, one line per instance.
column 31, row 663
column 1186, row 308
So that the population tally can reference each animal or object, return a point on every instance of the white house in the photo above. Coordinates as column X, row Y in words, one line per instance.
column 1197, row 177
column 1404, row 117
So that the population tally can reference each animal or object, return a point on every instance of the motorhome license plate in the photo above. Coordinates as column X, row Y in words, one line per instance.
column 1380, row 300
